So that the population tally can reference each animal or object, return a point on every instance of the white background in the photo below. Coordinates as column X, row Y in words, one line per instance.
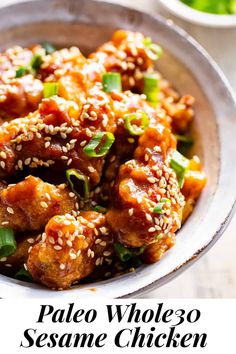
column 214, row 275
column 217, row 320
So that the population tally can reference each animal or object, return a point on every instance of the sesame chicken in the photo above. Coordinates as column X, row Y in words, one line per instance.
column 91, row 180
column 29, row 204
column 70, row 249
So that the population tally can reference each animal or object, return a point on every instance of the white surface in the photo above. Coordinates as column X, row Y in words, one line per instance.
column 202, row 18
column 214, row 275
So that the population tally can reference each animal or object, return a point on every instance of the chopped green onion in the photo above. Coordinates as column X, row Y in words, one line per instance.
column 36, row 61
column 159, row 237
column 158, row 209
column 97, row 142
column 49, row 48
column 184, row 143
column 151, row 86
column 81, row 179
column 50, row 89
column 111, row 82
column 21, row 71
column 24, row 275
column 132, row 128
column 100, row 209
column 7, row 242
column 154, row 51
column 125, row 253
column 219, row 7
column 180, row 165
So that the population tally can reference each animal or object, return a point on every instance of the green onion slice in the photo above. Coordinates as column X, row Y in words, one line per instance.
column 24, row 275
column 97, row 147
column 133, row 128
column 21, row 71
column 111, row 82
column 7, row 242
column 180, row 165
column 154, row 51
column 100, row 209
column 78, row 182
column 36, row 61
column 125, row 253
column 158, row 209
column 50, row 89
column 49, row 48
column 151, row 86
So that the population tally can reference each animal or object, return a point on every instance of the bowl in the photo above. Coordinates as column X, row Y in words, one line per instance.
column 188, row 66
column 202, row 18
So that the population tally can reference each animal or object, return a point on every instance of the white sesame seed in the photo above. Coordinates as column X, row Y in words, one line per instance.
column 2, row 164
column 3, row 259
column 30, row 240
column 10, row 210
column 57, row 248
column 152, row 229
column 91, row 169
column 43, row 205
column 3, row 155
column 62, row 266
column 131, row 211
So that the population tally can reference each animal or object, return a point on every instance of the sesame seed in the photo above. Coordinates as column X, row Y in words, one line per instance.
column 10, row 210
column 91, row 169
column 131, row 211
column 71, row 194
column 151, row 179
column 30, row 240
column 62, row 266
column 3, row 155
column 43, row 205
column 3, row 259
column 47, row 144
column 5, row 222
column 2, row 164
column 57, row 248
column 69, row 243
column 106, row 253
column 131, row 140
column 151, row 229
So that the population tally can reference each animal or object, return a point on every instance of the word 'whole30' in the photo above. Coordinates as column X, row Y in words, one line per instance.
column 124, row 326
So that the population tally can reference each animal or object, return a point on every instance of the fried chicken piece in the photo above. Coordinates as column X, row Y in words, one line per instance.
column 155, row 251
column 18, row 96
column 194, row 182
column 180, row 111
column 127, row 54
column 141, row 184
column 28, row 205
column 55, row 135
column 71, row 248
column 11, row 264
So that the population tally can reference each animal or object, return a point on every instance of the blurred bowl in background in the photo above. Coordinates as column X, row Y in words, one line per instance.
column 202, row 18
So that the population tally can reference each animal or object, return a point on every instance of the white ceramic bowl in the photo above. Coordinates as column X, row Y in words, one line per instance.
column 187, row 65
column 187, row 13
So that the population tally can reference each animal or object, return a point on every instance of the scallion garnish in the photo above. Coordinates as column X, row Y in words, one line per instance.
column 184, row 143
column 111, row 82
column 80, row 185
column 24, row 275
column 21, row 71
column 125, row 253
column 97, row 147
column 154, row 51
column 49, row 48
column 180, row 164
column 133, row 128
column 100, row 209
column 36, row 62
column 151, row 86
column 50, row 89
column 158, row 209
column 7, row 242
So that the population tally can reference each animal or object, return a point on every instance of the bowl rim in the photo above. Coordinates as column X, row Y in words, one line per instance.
column 189, row 14
column 217, row 73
